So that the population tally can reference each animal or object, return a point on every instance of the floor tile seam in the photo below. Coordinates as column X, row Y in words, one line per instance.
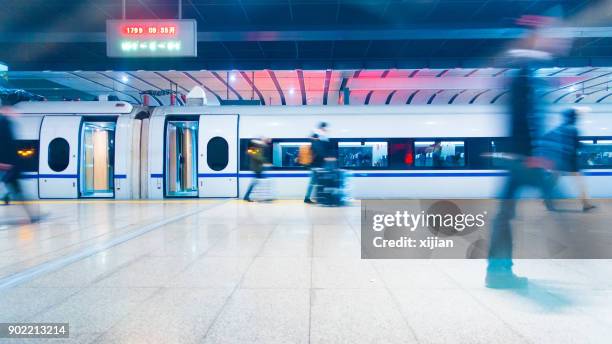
column 81, row 243
column 202, row 255
column 133, row 310
column 42, row 256
column 236, row 288
column 311, row 291
column 492, row 312
column 395, row 301
column 60, row 262
column 489, row 310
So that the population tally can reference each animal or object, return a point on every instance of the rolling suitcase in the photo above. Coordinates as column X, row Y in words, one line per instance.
column 330, row 187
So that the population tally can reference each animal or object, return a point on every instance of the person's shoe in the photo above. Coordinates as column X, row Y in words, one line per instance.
column 550, row 206
column 307, row 201
column 6, row 199
column 248, row 200
column 588, row 207
column 36, row 219
column 505, row 279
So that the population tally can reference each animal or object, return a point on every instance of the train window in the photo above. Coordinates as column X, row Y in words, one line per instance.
column 363, row 154
column 595, row 153
column 285, row 154
column 217, row 153
column 439, row 154
column 27, row 154
column 59, row 154
column 401, row 154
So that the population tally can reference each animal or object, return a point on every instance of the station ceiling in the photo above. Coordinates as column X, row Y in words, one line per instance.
column 585, row 85
column 68, row 35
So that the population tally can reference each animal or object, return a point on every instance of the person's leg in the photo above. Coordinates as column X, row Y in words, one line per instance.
column 582, row 189
column 547, row 181
column 500, row 246
column 311, row 185
column 254, row 181
column 16, row 193
column 499, row 269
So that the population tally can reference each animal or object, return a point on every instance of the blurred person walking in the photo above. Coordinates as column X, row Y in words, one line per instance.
column 525, row 169
column 10, row 164
column 320, row 148
column 562, row 144
column 258, row 157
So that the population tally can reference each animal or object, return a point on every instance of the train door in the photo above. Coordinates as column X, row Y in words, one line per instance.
column 218, row 163
column 181, row 175
column 97, row 165
column 58, row 163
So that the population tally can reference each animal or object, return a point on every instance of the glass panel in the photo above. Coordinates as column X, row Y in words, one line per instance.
column 59, row 154
column 595, row 153
column 97, row 159
column 401, row 155
column 439, row 154
column 285, row 154
column 181, row 162
column 498, row 148
column 363, row 154
column 217, row 153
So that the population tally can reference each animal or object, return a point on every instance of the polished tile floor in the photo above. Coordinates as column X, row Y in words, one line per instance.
column 236, row 272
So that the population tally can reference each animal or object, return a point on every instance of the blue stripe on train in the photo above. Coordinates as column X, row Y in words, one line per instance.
column 61, row 176
column 305, row 175
column 380, row 175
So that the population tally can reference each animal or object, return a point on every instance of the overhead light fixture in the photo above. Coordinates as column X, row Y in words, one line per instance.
column 125, row 78
column 292, row 91
column 232, row 77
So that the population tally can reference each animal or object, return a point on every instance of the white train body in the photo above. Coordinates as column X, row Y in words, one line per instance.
column 199, row 151
column 38, row 124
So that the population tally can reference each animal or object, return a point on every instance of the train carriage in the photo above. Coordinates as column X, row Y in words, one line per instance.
column 79, row 149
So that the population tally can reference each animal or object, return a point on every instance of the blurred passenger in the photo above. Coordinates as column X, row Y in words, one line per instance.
column 258, row 157
column 317, row 161
column 321, row 154
column 525, row 169
column 10, row 165
column 563, row 144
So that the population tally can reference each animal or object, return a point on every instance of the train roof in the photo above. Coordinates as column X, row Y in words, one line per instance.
column 354, row 110
column 324, row 110
column 72, row 107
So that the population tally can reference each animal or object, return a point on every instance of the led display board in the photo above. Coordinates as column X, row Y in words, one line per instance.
column 151, row 38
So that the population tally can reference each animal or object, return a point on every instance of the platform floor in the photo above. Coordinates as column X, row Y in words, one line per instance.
column 236, row 272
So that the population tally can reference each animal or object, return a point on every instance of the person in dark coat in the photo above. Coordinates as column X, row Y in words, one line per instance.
column 525, row 169
column 322, row 155
column 258, row 157
column 318, row 153
column 11, row 166
column 562, row 144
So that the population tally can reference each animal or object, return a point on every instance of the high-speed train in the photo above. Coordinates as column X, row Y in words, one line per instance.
column 79, row 149
column 116, row 150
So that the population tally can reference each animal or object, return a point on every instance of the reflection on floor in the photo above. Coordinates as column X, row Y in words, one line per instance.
column 235, row 272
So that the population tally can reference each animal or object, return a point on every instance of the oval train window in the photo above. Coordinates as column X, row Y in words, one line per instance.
column 217, row 153
column 59, row 154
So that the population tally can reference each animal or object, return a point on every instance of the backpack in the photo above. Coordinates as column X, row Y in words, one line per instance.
column 305, row 155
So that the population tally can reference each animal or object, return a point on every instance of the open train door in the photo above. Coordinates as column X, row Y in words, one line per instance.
column 59, row 151
column 218, row 161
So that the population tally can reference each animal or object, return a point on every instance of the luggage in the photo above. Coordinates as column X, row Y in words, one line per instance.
column 330, row 186
column 305, row 155
column 263, row 191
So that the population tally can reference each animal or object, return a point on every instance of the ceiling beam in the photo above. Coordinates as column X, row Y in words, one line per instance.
column 433, row 83
column 323, row 35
